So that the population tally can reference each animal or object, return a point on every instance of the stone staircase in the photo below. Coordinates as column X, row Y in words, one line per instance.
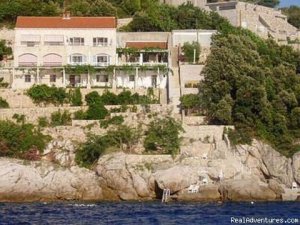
column 174, row 81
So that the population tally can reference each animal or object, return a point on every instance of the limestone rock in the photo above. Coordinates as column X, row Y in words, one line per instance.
column 60, row 151
column 176, row 178
column 275, row 186
column 278, row 166
column 206, row 193
column 296, row 167
column 246, row 190
column 32, row 181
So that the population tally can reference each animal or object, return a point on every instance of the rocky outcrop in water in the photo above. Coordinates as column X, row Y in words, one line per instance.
column 43, row 181
column 255, row 172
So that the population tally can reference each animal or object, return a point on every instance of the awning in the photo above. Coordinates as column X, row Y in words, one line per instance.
column 30, row 38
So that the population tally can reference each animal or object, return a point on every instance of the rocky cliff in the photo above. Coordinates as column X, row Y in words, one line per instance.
column 255, row 172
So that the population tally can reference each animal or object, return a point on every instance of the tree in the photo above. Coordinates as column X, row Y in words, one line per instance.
column 96, row 111
column 293, row 14
column 253, row 84
column 4, row 49
column 189, row 102
column 162, row 136
column 191, row 52
column 75, row 97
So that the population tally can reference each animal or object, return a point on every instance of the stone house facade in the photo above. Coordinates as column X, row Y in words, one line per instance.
column 264, row 21
column 52, row 50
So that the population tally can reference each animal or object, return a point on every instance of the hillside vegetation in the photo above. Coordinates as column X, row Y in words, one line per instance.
column 253, row 84
column 9, row 10
column 293, row 14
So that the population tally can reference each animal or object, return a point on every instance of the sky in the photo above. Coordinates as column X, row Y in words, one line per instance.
column 289, row 2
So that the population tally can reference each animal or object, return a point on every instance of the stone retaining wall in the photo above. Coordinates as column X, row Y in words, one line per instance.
column 18, row 98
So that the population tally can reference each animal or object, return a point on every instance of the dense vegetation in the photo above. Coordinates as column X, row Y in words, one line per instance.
column 60, row 118
column 43, row 94
column 161, row 17
column 3, row 103
column 4, row 50
column 120, row 138
column 9, row 10
column 191, row 52
column 21, row 140
column 293, row 14
column 162, row 136
column 253, row 84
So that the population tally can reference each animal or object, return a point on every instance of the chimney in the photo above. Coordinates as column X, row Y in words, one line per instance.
column 66, row 15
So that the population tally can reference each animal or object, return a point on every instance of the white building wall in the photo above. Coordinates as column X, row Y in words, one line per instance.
column 66, row 50
column 179, row 37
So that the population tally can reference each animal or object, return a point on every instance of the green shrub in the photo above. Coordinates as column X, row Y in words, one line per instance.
column 162, row 136
column 109, row 98
column 189, row 51
column 61, row 119
column 20, row 118
column 113, row 140
column 124, row 98
column 116, row 120
column 92, row 98
column 21, row 140
column 3, row 103
column 75, row 97
column 96, row 111
column 47, row 95
column 90, row 151
column 43, row 121
column 80, row 115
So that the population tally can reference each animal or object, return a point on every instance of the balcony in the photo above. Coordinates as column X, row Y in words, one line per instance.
column 101, row 64
column 27, row 64
column 52, row 64
column 78, row 63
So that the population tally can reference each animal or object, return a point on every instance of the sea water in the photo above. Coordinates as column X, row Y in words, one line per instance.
column 146, row 213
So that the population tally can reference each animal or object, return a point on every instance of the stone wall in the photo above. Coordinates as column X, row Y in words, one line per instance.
column 18, row 98
column 32, row 114
column 210, row 132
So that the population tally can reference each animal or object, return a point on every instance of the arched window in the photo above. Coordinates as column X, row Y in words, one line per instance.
column 52, row 60
column 27, row 60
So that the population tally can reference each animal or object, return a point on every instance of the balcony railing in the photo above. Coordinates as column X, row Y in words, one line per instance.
column 28, row 64
column 142, row 64
column 77, row 63
column 101, row 64
column 51, row 64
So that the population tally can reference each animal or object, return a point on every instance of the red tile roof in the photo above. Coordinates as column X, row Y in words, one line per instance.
column 72, row 22
column 148, row 44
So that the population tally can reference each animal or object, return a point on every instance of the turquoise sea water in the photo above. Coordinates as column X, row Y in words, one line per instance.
column 150, row 213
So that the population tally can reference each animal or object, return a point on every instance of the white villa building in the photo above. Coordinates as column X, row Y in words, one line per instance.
column 83, row 52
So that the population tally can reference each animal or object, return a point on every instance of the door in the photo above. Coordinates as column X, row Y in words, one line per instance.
column 154, row 81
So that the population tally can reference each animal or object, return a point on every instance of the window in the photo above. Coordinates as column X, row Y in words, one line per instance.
column 76, row 59
column 131, row 78
column 29, row 43
column 54, row 40
column 102, row 78
column 27, row 78
column 102, row 59
column 100, row 41
column 52, row 78
column 76, row 41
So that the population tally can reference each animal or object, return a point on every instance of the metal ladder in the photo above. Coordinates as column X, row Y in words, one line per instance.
column 166, row 194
